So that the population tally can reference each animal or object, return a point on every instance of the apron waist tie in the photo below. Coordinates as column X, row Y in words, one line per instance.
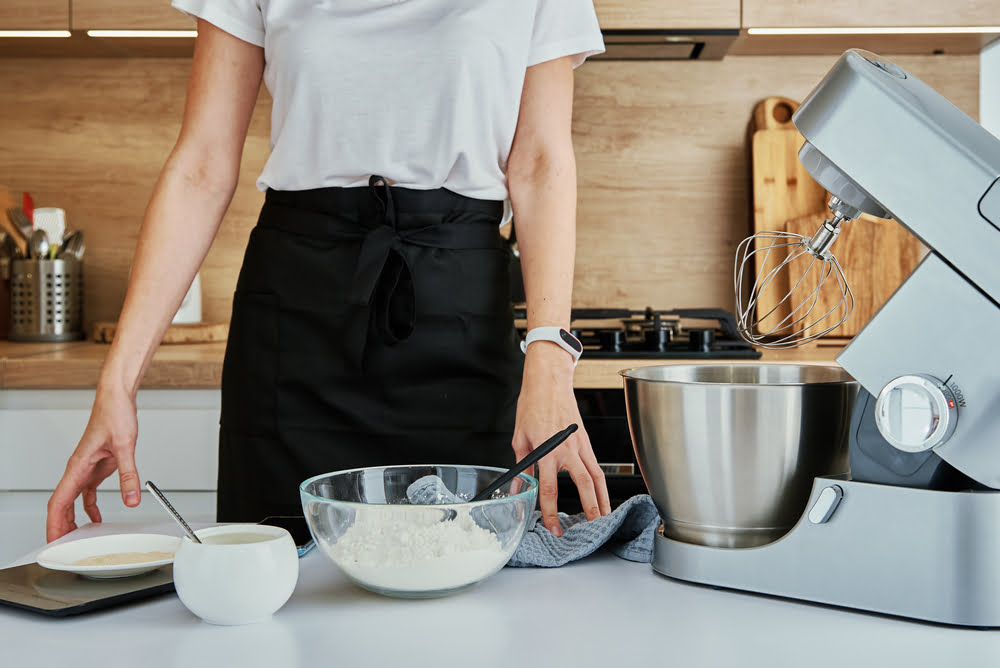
column 382, row 287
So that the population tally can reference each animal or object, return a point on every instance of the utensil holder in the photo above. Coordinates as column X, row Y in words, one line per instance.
column 46, row 300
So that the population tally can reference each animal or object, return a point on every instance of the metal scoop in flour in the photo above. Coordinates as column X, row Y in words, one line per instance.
column 431, row 490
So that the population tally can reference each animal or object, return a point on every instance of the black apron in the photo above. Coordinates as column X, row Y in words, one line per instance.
column 370, row 326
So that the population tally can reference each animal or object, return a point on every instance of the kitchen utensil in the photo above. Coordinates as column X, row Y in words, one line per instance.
column 925, row 476
column 362, row 520
column 545, row 448
column 46, row 300
column 28, row 205
column 876, row 256
column 170, row 509
column 18, row 238
column 73, row 244
column 38, row 245
column 237, row 573
column 203, row 332
column 19, row 218
column 815, row 278
column 729, row 451
column 65, row 556
column 53, row 221
column 432, row 490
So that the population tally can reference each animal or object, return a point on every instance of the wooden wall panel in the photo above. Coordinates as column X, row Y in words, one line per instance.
column 128, row 15
column 91, row 136
column 664, row 169
column 865, row 13
column 636, row 14
column 34, row 15
column 661, row 149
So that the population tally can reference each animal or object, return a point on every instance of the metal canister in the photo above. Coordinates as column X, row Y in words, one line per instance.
column 46, row 300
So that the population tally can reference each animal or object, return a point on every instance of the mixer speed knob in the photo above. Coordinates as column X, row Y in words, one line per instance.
column 916, row 412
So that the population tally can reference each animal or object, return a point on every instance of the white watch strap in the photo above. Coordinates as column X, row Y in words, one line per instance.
column 555, row 335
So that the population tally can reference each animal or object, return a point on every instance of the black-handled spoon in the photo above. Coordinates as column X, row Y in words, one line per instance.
column 536, row 454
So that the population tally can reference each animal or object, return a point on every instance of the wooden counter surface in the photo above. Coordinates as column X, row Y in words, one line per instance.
column 77, row 365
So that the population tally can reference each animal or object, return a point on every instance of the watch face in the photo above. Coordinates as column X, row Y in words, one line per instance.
column 573, row 342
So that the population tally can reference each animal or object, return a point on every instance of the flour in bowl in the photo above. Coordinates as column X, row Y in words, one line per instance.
column 414, row 551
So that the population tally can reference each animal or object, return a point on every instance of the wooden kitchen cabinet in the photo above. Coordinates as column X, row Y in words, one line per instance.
column 128, row 15
column 34, row 15
column 864, row 13
column 651, row 14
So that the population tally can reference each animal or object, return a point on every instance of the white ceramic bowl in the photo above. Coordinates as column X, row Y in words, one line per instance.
column 64, row 556
column 239, row 574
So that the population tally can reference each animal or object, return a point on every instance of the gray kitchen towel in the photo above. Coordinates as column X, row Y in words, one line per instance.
column 627, row 531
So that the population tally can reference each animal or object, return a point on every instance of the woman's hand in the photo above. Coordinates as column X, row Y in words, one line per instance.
column 108, row 443
column 547, row 405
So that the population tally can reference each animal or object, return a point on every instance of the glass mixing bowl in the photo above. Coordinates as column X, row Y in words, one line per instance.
column 362, row 520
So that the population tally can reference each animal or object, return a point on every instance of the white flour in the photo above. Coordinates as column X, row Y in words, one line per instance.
column 403, row 550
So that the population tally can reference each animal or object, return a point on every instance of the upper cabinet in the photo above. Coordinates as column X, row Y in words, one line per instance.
column 34, row 15
column 867, row 14
column 128, row 15
column 658, row 14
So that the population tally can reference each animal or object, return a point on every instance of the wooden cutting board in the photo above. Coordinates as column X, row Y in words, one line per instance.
column 202, row 332
column 876, row 254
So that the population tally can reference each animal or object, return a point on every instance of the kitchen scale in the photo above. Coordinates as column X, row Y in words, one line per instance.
column 914, row 530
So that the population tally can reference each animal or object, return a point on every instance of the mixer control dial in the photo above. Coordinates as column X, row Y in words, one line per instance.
column 916, row 412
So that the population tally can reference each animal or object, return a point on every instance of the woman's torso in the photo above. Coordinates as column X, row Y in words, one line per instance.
column 425, row 92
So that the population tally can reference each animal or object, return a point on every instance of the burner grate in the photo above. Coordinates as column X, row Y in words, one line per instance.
column 657, row 334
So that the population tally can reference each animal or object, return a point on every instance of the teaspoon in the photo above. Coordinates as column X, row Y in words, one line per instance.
column 166, row 504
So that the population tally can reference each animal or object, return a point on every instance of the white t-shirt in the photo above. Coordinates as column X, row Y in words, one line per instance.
column 423, row 92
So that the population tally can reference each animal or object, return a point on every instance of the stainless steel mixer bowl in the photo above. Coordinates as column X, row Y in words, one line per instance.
column 729, row 451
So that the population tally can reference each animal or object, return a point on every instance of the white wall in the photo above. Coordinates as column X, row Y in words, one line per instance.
column 989, row 88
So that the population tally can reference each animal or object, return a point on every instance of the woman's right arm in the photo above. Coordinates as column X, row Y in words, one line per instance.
column 185, row 210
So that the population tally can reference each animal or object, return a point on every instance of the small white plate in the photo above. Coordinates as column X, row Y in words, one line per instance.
column 63, row 557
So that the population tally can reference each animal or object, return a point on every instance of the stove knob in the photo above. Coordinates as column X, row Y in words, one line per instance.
column 701, row 340
column 915, row 413
column 658, row 339
column 612, row 340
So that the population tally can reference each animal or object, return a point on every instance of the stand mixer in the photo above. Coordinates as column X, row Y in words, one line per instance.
column 914, row 530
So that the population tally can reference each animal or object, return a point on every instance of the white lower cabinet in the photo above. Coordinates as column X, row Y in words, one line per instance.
column 39, row 429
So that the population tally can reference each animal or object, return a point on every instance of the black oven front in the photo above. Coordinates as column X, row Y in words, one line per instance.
column 603, row 414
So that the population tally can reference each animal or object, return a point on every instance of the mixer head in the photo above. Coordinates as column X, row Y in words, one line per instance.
column 798, row 292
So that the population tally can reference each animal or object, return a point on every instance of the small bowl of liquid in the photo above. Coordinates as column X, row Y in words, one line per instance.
column 238, row 574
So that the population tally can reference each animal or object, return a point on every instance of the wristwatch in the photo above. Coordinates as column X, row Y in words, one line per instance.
column 556, row 335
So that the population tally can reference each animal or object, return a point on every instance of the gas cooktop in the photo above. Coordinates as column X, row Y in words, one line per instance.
column 656, row 334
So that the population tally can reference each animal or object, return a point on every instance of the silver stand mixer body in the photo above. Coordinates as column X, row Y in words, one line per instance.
column 893, row 537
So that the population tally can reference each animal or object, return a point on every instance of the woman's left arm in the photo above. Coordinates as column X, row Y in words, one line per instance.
column 541, row 179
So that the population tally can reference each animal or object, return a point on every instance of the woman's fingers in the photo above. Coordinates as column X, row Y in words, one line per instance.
column 128, row 478
column 90, row 504
column 585, row 487
column 61, row 517
column 597, row 475
column 548, row 490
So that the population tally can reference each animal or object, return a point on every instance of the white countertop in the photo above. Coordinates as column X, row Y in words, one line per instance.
column 600, row 611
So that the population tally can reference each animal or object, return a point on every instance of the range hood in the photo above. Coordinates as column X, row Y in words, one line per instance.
column 667, row 44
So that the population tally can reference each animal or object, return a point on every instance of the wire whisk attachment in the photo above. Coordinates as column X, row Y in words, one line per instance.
column 790, row 289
